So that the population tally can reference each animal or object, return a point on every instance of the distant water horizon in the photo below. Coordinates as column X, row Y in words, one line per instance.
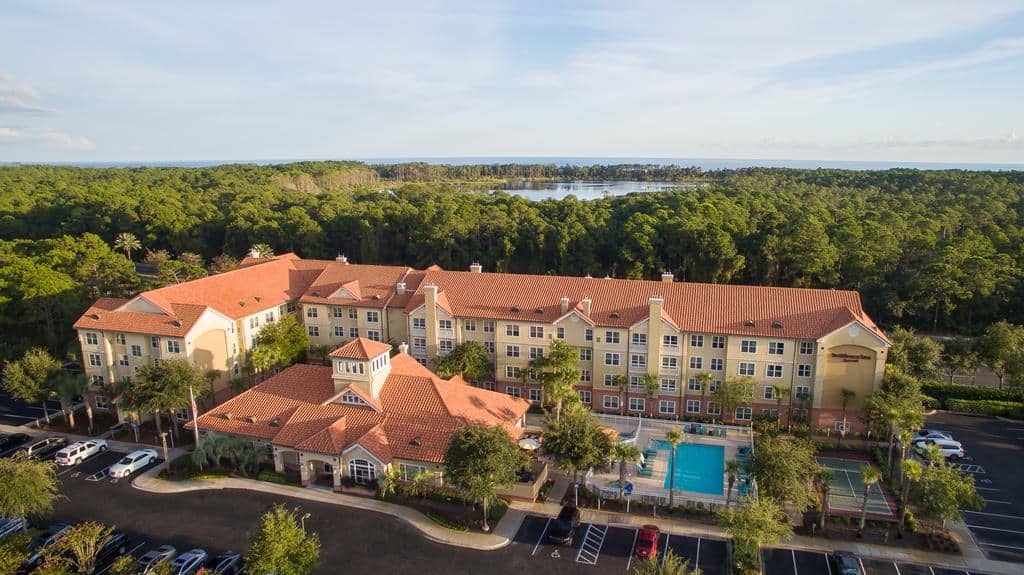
column 707, row 164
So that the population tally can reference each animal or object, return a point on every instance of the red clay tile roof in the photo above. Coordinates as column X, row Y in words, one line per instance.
column 102, row 315
column 361, row 348
column 373, row 286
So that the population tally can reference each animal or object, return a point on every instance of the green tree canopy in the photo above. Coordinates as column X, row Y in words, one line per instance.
column 481, row 459
column 577, row 441
column 753, row 522
column 468, row 359
column 281, row 344
column 28, row 488
column 781, row 465
column 558, row 371
column 733, row 393
column 281, row 546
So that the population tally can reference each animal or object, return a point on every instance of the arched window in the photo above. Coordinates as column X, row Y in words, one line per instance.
column 361, row 470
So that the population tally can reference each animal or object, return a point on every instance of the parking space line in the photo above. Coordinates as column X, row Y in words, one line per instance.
column 696, row 562
column 996, row 501
column 862, row 569
column 635, row 535
column 591, row 547
column 828, row 563
column 541, row 539
column 990, row 514
column 665, row 554
column 986, row 489
column 897, row 567
column 1001, row 545
column 931, row 570
column 795, row 570
column 994, row 529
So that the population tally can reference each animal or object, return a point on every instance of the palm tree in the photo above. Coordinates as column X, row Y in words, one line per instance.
column 128, row 242
column 625, row 453
column 845, row 396
column 261, row 251
column 825, row 476
column 905, row 437
column 67, row 387
column 704, row 382
column 623, row 384
column 652, row 385
column 912, row 471
column 781, row 393
column 870, row 476
column 670, row 564
column 732, row 469
column 674, row 438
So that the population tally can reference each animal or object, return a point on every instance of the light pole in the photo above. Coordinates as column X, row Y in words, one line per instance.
column 576, row 492
column 167, row 459
column 304, row 518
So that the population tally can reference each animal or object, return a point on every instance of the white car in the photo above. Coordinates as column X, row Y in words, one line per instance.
column 154, row 556
column 923, row 434
column 11, row 525
column 133, row 462
column 950, row 449
column 188, row 562
column 80, row 451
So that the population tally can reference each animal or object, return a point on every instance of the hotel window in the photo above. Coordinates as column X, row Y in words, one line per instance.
column 748, row 346
column 668, row 384
column 696, row 362
column 488, row 385
column 119, row 338
column 696, row 340
column 513, row 372
column 512, row 330
column 635, row 384
column 513, row 391
column 374, row 334
column 586, row 354
column 536, row 331
column 353, row 313
column 91, row 338
column 269, row 317
column 803, row 390
column 611, row 337
column 560, row 332
column 639, row 339
column 667, row 407
column 97, row 380
column 408, row 471
column 137, row 350
column 511, row 351
column 182, row 414
column 419, row 343
column 585, row 376
column 772, row 413
column 291, row 306
column 373, row 317
column 313, row 330
column 339, row 331
column 469, row 325
column 126, row 379
column 422, row 361
column 100, row 401
column 611, row 359
column 419, row 323
column 123, row 362
column 353, row 332
column 534, row 395
column 769, row 392
column 636, row 404
column 254, row 322
column 154, row 341
column 670, row 341
column 638, row 360
column 714, row 408
column 536, row 352
column 715, row 384
column 692, row 406
column 611, row 402
column 670, row 363
column 693, row 384
column 254, row 341
column 743, row 413
column 338, row 312
column 718, row 342
column 717, row 364
column 774, row 370
column 584, row 396
column 488, row 327
column 489, row 346
column 588, row 334
column 803, row 370
column 747, row 368
column 444, row 324
column 806, row 348
column 94, row 360
column 609, row 380
column 310, row 312
column 776, row 348
column 173, row 346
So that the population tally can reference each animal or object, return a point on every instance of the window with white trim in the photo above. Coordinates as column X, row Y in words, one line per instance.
column 353, row 313
column 637, row 360
column 748, row 346
column 774, row 370
column 173, row 346
column 409, row 471
column 97, row 380
column 154, row 342
column 136, row 350
column 769, row 392
column 588, row 334
column 772, row 413
column 442, row 344
column 534, row 394
column 747, row 368
column 338, row 312
column 419, row 323
column 611, row 337
column 419, row 344
column 488, row 327
column 513, row 372
column 776, row 348
column 353, row 332
column 637, row 404
column 469, row 325
column 666, row 407
column 696, row 340
column 696, row 362
column 586, row 354
column 313, row 330
column 693, row 384
column 444, row 324
column 123, row 361
column 560, row 332
column 513, row 391
column 119, row 338
column 611, row 358
column 512, row 330
column 254, row 322
column 489, row 346
column 182, row 414
column 511, row 351
column 692, row 406
column 715, row 384
column 714, row 408
column 803, row 370
column 635, row 384
column 373, row 317
column 536, row 331
column 100, row 401
column 610, row 402
column 584, row 395
column 803, row 390
column 744, row 413
column 361, row 470
column 806, row 348
column 669, row 362
column 717, row 364
column 668, row 384
column 639, row 339
column 95, row 360
column 339, row 331
column 670, row 341
column 536, row 352
column 585, row 376
column 92, row 338
column 718, row 342
column 609, row 380
column 310, row 312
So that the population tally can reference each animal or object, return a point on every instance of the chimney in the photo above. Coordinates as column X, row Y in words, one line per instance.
column 403, row 348
column 585, row 302
column 666, row 277
column 430, row 295
column 656, row 302
column 476, row 268
column 400, row 288
column 565, row 304
column 341, row 259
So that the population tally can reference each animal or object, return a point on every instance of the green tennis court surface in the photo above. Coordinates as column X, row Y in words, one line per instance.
column 846, row 491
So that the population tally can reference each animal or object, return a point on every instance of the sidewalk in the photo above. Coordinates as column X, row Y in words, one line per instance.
column 502, row 535
column 124, row 446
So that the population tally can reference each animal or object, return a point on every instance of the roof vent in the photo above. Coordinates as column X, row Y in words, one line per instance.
column 176, row 322
column 416, row 441
column 227, row 415
column 375, row 297
column 588, row 276
column 607, row 277
column 777, row 324
column 539, row 310
column 749, row 323
column 276, row 422
column 614, row 315
column 400, row 288
column 241, row 303
column 316, row 292
column 250, row 419
column 257, row 298
column 515, row 309
column 476, row 268
column 94, row 315
column 341, row 258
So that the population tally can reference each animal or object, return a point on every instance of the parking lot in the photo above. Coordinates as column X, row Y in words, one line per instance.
column 795, row 562
column 15, row 412
column 995, row 457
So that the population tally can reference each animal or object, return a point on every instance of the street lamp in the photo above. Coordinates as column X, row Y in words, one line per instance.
column 304, row 518
column 576, row 492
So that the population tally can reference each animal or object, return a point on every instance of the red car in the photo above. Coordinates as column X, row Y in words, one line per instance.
column 647, row 542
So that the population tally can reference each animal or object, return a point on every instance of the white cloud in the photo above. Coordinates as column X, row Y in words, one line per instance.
column 8, row 133
column 19, row 98
column 66, row 141
column 47, row 138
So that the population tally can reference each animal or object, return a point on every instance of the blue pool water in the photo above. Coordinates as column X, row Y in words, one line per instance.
column 699, row 468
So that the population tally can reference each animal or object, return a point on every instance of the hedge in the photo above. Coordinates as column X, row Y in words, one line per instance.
column 945, row 391
column 1013, row 409
column 930, row 402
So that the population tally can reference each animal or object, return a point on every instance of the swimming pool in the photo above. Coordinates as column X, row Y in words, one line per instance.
column 699, row 468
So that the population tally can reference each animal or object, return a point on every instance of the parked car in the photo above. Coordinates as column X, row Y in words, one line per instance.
column 647, row 542
column 932, row 434
column 188, row 562
column 41, row 448
column 11, row 525
column 42, row 542
column 10, row 443
column 133, row 462
column 153, row 556
column 80, row 451
column 847, row 564
column 115, row 546
column 564, row 526
column 229, row 563
column 950, row 449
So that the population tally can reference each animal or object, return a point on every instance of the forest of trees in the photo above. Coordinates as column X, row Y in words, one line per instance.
column 927, row 249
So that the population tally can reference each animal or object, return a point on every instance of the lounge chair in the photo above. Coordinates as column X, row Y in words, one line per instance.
column 644, row 471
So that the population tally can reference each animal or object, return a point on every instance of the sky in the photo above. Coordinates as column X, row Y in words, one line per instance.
column 913, row 81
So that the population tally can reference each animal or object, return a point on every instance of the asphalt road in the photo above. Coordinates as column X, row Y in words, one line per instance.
column 15, row 412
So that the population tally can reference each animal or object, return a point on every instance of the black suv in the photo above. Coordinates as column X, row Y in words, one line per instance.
column 564, row 525
column 9, row 443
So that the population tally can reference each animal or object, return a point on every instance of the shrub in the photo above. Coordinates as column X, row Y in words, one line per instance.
column 947, row 391
column 445, row 523
column 993, row 407
column 545, row 490
column 496, row 510
column 930, row 402
column 275, row 477
column 910, row 521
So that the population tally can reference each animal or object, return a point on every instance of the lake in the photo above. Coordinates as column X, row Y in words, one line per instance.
column 585, row 190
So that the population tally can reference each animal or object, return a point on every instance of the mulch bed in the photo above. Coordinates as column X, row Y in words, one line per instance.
column 839, row 530
column 102, row 421
column 456, row 513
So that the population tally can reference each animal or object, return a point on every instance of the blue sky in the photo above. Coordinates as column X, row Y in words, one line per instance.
column 934, row 81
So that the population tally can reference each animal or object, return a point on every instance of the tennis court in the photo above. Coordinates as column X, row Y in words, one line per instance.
column 846, row 491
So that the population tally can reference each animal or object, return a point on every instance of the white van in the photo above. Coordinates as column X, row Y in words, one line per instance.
column 79, row 451
column 950, row 449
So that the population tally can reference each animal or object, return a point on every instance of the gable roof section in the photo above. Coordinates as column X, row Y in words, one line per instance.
column 373, row 285
column 362, row 349
column 104, row 315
